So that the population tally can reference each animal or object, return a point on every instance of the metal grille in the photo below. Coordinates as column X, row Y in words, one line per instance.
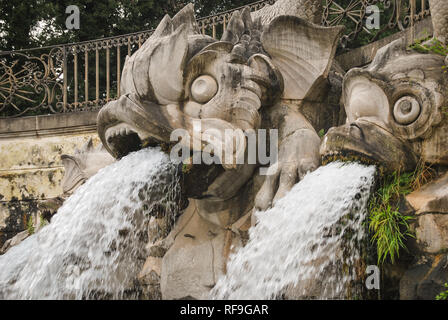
column 86, row 75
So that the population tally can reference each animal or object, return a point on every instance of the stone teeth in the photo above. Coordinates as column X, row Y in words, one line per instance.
column 122, row 129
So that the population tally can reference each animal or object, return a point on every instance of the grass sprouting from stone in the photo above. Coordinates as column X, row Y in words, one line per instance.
column 389, row 226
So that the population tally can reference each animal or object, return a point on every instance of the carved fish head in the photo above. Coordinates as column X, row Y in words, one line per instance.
column 181, row 80
column 396, row 111
column 83, row 164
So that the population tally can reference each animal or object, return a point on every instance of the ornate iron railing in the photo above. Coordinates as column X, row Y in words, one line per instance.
column 86, row 75
column 396, row 15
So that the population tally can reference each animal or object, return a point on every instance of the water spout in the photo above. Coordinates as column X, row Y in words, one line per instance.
column 308, row 244
column 94, row 246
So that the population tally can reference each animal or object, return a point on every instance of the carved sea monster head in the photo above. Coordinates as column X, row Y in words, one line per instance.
column 181, row 79
column 396, row 111
column 397, row 116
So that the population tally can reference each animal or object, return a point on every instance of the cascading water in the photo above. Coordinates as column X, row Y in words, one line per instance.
column 308, row 244
column 95, row 246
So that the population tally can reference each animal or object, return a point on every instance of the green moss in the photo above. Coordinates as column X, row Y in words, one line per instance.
column 445, row 110
column 428, row 45
column 30, row 225
column 42, row 222
column 321, row 133
column 186, row 168
column 353, row 157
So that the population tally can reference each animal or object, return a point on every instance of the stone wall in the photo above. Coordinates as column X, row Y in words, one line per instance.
column 30, row 163
column 364, row 55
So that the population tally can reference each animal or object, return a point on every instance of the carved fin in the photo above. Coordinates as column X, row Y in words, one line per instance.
column 303, row 52
column 166, row 67
column 247, row 19
column 240, row 23
column 235, row 29
column 383, row 55
column 186, row 16
column 164, row 28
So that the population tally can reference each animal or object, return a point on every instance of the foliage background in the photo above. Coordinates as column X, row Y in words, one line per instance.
column 35, row 23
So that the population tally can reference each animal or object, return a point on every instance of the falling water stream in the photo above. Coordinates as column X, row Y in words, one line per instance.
column 308, row 244
column 95, row 245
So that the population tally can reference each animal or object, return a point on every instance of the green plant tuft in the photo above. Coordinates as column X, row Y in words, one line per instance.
column 389, row 227
column 321, row 133
column 444, row 294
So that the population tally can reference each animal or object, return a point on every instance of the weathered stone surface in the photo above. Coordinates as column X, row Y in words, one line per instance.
column 359, row 57
column 196, row 257
column 33, row 168
column 14, row 241
column 14, row 217
column 33, row 184
column 431, row 208
column 432, row 232
column 149, row 279
column 32, row 171
column 431, row 198
column 19, row 216
column 425, row 280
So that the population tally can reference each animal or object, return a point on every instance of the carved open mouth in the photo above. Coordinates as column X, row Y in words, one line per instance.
column 367, row 143
column 349, row 156
column 122, row 139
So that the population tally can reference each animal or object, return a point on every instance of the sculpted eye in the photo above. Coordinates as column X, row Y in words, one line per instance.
column 203, row 89
column 406, row 110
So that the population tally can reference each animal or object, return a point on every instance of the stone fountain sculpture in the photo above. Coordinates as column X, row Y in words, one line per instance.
column 397, row 117
column 258, row 76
